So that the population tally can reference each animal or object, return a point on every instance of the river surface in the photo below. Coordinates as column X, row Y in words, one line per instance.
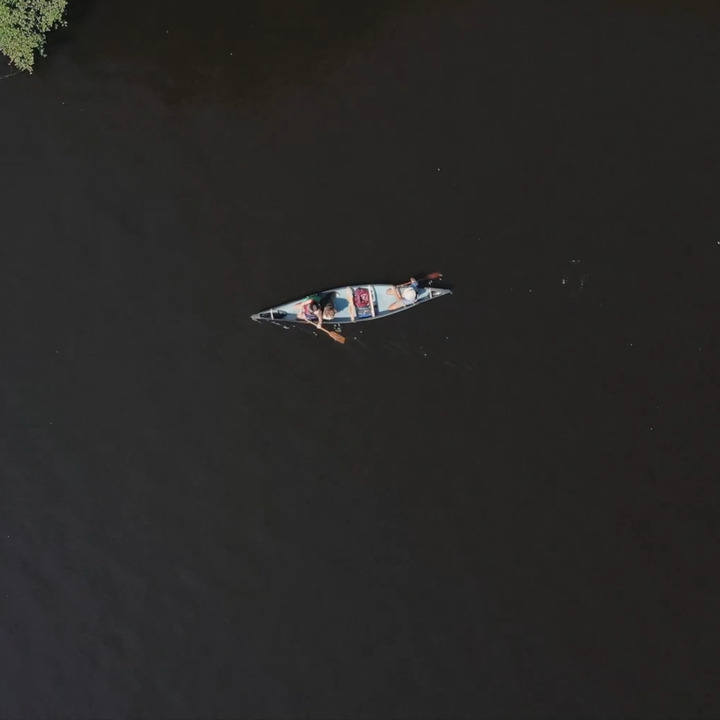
column 501, row 504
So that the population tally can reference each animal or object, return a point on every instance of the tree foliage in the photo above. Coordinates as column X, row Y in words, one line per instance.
column 23, row 26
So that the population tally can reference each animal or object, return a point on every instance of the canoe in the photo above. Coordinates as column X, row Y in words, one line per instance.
column 370, row 303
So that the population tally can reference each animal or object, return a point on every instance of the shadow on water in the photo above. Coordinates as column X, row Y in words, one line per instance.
column 225, row 50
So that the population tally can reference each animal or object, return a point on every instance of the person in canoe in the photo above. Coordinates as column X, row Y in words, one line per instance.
column 314, row 309
column 406, row 294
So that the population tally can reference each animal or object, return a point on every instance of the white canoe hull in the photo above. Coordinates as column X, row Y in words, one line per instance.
column 382, row 298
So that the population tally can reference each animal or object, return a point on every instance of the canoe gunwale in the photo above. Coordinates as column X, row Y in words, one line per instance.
column 284, row 313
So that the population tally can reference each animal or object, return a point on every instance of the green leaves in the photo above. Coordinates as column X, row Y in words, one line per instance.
column 23, row 25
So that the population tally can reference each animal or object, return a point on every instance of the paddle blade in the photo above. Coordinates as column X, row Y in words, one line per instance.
column 337, row 337
column 433, row 276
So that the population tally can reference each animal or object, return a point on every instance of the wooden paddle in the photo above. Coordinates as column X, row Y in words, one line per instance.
column 337, row 337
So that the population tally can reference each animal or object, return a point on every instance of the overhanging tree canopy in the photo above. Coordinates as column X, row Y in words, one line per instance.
column 23, row 26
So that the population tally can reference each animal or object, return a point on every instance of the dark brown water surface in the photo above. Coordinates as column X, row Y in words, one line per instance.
column 503, row 504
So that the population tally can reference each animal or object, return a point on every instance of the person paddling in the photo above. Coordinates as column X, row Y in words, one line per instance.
column 316, row 308
column 311, row 311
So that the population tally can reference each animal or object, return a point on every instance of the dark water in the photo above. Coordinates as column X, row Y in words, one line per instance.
column 504, row 504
